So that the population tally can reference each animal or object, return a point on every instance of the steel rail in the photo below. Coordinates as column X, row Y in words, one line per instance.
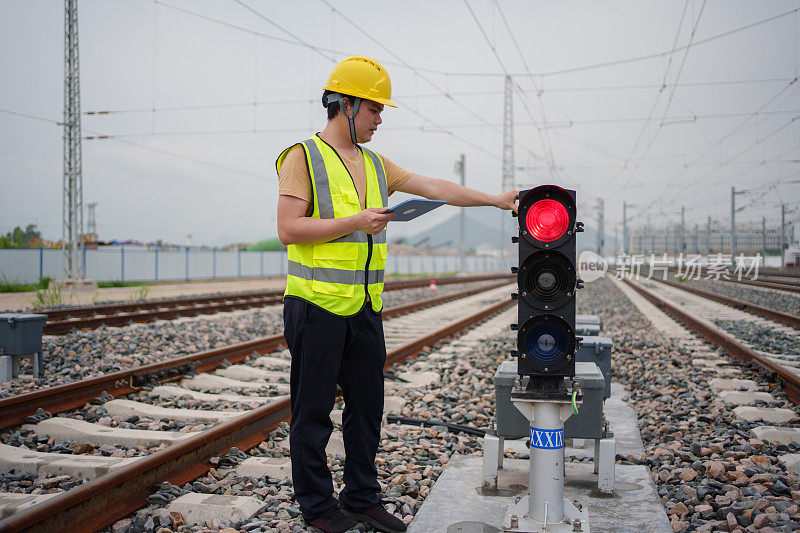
column 767, row 280
column 59, row 327
column 65, row 313
column 791, row 287
column 781, row 272
column 99, row 503
column 766, row 312
column 15, row 409
column 60, row 321
column 733, row 346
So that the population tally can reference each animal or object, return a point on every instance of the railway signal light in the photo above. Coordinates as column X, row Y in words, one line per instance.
column 547, row 281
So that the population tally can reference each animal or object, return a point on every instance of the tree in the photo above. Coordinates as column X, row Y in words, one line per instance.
column 267, row 245
column 19, row 238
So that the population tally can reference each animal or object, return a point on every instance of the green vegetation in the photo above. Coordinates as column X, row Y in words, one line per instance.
column 21, row 238
column 113, row 284
column 7, row 285
column 139, row 295
column 267, row 245
column 46, row 298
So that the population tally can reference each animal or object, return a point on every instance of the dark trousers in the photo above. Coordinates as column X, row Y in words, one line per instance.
column 328, row 349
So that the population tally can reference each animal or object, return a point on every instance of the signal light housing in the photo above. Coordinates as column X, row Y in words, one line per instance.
column 547, row 280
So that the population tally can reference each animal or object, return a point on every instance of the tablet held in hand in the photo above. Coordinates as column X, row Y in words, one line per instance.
column 411, row 209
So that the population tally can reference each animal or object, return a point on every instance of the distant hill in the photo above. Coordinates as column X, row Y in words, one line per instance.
column 483, row 227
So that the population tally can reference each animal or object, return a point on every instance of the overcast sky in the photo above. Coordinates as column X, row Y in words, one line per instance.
column 659, row 103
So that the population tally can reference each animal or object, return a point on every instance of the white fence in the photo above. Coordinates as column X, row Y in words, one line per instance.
column 134, row 264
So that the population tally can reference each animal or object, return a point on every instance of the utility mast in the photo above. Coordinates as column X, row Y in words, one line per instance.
column 508, row 152
column 462, row 250
column 600, row 226
column 624, row 227
column 72, row 232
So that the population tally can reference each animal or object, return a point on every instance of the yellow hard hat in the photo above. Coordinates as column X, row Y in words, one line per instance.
column 361, row 77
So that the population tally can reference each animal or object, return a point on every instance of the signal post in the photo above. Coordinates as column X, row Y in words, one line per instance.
column 545, row 391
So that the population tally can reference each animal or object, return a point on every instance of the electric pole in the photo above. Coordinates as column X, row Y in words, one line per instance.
column 461, row 170
column 91, row 222
column 733, row 226
column 508, row 151
column 783, row 238
column 683, row 229
column 764, row 238
column 708, row 236
column 72, row 228
column 624, row 227
column 600, row 226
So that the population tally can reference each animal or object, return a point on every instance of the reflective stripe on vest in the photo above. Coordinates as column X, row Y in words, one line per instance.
column 332, row 274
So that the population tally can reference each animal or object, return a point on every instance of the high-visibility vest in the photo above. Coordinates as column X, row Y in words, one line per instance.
column 339, row 275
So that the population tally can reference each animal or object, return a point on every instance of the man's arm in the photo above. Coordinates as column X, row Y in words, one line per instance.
column 294, row 227
column 454, row 194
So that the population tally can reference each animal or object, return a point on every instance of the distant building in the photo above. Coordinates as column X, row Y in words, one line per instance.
column 749, row 239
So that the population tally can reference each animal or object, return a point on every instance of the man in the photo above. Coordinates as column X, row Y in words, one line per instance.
column 332, row 217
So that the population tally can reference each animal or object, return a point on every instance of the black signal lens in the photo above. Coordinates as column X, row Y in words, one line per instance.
column 547, row 279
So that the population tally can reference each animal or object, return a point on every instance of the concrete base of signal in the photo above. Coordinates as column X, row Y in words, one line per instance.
column 458, row 504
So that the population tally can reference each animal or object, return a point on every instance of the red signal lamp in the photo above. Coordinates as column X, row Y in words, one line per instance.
column 547, row 214
column 547, row 220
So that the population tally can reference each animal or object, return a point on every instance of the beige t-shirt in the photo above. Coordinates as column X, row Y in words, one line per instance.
column 294, row 179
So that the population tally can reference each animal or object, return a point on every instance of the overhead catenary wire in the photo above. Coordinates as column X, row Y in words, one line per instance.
column 700, row 166
column 582, row 88
column 420, row 70
column 544, row 138
column 426, row 79
column 699, row 181
column 142, row 146
column 672, row 92
column 660, row 91
column 325, row 53
column 493, row 74
column 623, row 61
column 265, row 18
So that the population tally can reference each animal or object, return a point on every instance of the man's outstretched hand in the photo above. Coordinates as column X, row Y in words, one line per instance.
column 508, row 200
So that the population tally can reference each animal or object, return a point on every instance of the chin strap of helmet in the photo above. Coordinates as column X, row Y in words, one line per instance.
column 336, row 97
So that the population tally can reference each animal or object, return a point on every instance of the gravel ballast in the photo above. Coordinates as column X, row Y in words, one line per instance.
column 710, row 470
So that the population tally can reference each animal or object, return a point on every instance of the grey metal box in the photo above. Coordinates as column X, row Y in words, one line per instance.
column 21, row 333
column 589, row 319
column 587, row 424
column 584, row 329
column 597, row 350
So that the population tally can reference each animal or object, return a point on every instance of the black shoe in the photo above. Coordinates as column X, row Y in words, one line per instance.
column 377, row 517
column 332, row 521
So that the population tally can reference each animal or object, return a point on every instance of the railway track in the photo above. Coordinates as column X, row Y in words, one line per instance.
column 775, row 280
column 768, row 283
column 766, row 312
column 64, row 320
column 705, row 315
column 99, row 503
